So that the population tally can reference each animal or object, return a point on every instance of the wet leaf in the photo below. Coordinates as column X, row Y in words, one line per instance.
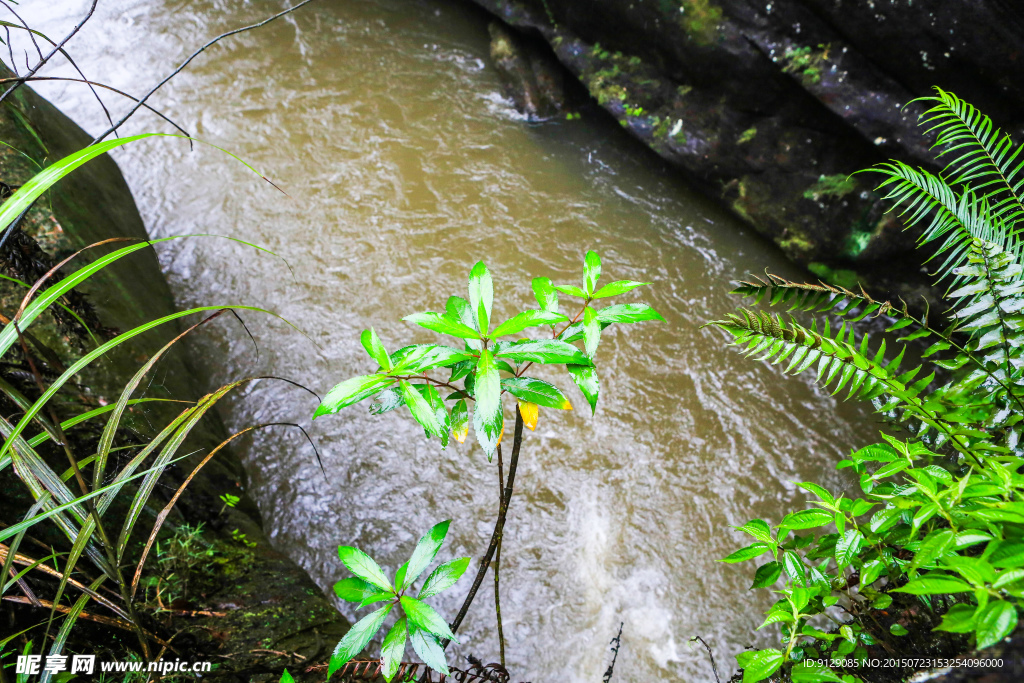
column 530, row 413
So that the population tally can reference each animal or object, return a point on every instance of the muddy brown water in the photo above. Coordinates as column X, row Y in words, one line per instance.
column 383, row 122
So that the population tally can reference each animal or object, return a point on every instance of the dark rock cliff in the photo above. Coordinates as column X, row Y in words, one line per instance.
column 771, row 105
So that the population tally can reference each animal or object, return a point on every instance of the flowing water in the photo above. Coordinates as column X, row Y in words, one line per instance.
column 404, row 166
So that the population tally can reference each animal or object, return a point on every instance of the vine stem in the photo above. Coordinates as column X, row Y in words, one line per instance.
column 499, row 524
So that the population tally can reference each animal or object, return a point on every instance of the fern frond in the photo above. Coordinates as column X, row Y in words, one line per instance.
column 985, row 156
column 990, row 308
column 955, row 218
column 841, row 365
column 812, row 298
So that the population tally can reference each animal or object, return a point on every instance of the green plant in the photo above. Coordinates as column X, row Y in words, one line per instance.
column 78, row 502
column 229, row 501
column 402, row 378
column 421, row 625
column 805, row 62
column 939, row 522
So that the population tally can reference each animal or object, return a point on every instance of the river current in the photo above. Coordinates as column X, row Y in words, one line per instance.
column 403, row 165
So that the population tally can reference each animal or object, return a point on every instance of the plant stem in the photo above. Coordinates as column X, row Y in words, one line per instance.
column 497, row 561
column 498, row 526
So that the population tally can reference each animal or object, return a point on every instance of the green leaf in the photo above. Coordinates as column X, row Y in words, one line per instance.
column 618, row 287
column 363, row 566
column 460, row 420
column 436, row 322
column 812, row 672
column 848, row 546
column 23, row 198
column 585, row 379
column 481, row 295
column 934, row 585
column 286, row 677
column 571, row 290
column 527, row 319
column 425, row 552
column 387, row 400
column 995, row 622
column 352, row 391
column 436, row 403
column 354, row 589
column 424, row 616
column 375, row 349
column 443, row 577
column 487, row 414
column 544, row 291
column 393, row 648
column 883, row 601
column 759, row 529
column 591, row 271
column 356, row 639
column 458, row 309
column 420, row 409
column 417, row 358
column 628, row 313
column 806, row 519
column 747, row 553
column 960, row 618
column 762, row 665
column 794, row 566
column 542, row 351
column 898, row 630
column 591, row 332
column 428, row 649
column 767, row 574
column 819, row 491
column 536, row 391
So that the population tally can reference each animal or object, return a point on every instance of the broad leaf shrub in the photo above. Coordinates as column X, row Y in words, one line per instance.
column 484, row 366
column 401, row 377
column 421, row 625
column 938, row 524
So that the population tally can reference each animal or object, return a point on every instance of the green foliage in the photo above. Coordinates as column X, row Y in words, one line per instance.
column 940, row 515
column 487, row 365
column 79, row 502
column 805, row 62
column 835, row 186
column 421, row 623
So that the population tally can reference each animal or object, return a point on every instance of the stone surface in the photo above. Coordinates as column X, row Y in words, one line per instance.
column 769, row 106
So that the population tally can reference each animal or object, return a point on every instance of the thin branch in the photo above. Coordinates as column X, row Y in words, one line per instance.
column 24, row 25
column 55, row 50
column 499, row 525
column 186, row 63
column 497, row 560
column 710, row 654
column 100, row 85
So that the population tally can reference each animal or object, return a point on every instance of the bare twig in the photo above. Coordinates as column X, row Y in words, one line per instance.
column 195, row 54
column 616, row 642
column 74, row 65
column 24, row 25
column 710, row 654
column 55, row 50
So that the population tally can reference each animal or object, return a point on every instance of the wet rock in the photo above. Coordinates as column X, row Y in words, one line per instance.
column 530, row 75
column 770, row 106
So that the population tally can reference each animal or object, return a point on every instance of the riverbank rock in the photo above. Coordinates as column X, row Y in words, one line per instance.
column 251, row 610
column 530, row 75
column 770, row 106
